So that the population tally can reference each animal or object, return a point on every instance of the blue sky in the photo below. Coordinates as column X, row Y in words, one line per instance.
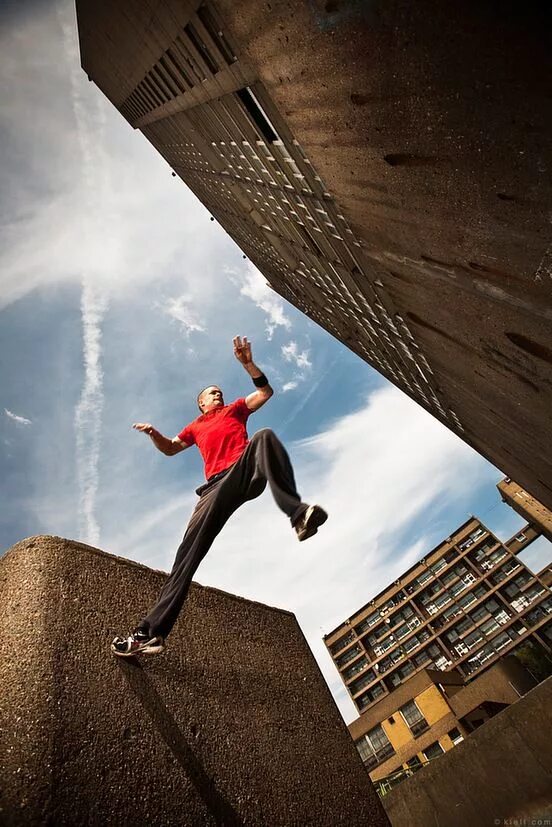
column 119, row 299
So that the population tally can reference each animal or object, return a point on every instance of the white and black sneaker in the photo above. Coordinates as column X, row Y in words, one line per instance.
column 309, row 523
column 138, row 642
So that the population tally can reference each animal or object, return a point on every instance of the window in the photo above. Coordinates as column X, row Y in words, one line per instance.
column 433, row 751
column 479, row 614
column 467, row 600
column 357, row 667
column 347, row 656
column 362, row 682
column 489, row 626
column 258, row 116
column 440, row 564
column 473, row 638
column 213, row 28
column 402, row 631
column 201, row 47
column 455, row 736
column 414, row 718
column 375, row 747
column 369, row 696
column 520, row 538
column 342, row 643
column 451, row 612
column 367, row 623
column 463, row 625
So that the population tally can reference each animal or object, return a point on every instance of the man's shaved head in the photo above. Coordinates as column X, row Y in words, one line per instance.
column 212, row 392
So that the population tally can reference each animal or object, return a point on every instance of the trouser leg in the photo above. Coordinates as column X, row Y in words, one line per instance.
column 264, row 460
column 211, row 512
column 266, row 457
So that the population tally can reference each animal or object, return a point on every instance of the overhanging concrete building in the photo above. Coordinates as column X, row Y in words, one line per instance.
column 526, row 506
column 385, row 166
column 469, row 602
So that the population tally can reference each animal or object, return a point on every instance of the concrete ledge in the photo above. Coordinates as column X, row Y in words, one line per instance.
column 234, row 724
column 502, row 771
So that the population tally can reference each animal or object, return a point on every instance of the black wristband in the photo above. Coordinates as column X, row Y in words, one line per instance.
column 260, row 381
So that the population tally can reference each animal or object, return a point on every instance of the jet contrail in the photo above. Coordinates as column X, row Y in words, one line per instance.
column 88, row 413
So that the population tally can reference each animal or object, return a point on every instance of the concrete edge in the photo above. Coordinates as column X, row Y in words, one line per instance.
column 132, row 563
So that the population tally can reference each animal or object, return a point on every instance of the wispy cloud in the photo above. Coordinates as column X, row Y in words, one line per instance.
column 290, row 386
column 21, row 420
column 179, row 309
column 253, row 285
column 88, row 413
column 291, row 353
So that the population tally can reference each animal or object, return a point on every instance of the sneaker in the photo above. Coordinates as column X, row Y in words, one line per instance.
column 137, row 643
column 309, row 523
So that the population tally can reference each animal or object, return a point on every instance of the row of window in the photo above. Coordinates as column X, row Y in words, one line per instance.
column 459, row 647
column 200, row 50
column 407, row 612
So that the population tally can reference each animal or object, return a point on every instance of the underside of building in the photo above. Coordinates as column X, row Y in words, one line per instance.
column 385, row 166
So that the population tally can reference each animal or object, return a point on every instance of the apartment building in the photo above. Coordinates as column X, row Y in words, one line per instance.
column 431, row 713
column 469, row 602
column 374, row 176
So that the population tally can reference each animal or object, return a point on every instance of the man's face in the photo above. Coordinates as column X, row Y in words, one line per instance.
column 211, row 398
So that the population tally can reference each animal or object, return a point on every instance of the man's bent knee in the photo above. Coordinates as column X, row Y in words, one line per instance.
column 263, row 435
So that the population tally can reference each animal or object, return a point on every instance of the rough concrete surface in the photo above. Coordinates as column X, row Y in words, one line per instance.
column 429, row 123
column 233, row 724
column 501, row 774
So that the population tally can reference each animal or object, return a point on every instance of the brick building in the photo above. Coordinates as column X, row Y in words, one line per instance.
column 376, row 177
column 469, row 602
column 431, row 713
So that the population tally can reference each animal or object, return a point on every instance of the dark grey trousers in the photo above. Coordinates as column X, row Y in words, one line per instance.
column 264, row 460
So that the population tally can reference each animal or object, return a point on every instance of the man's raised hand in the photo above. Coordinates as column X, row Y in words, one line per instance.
column 242, row 350
column 145, row 427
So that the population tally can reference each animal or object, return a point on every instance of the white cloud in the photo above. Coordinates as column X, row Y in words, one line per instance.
column 179, row 309
column 253, row 285
column 291, row 353
column 290, row 386
column 147, row 223
column 21, row 420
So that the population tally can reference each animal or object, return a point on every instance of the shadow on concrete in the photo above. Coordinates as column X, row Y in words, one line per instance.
column 217, row 805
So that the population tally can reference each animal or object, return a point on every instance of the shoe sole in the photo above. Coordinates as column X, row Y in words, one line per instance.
column 151, row 650
column 317, row 518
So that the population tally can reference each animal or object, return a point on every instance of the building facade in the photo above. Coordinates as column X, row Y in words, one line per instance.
column 526, row 506
column 374, row 176
column 430, row 714
column 469, row 602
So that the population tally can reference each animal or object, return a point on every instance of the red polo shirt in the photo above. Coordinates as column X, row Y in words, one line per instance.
column 220, row 435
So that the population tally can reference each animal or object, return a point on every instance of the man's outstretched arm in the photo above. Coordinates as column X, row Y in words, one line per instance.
column 167, row 446
column 242, row 352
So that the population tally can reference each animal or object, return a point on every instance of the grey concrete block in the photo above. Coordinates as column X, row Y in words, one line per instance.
column 233, row 724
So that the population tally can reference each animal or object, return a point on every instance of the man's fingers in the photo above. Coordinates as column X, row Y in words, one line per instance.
column 142, row 426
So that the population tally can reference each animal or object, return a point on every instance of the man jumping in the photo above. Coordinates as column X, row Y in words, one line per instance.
column 236, row 469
